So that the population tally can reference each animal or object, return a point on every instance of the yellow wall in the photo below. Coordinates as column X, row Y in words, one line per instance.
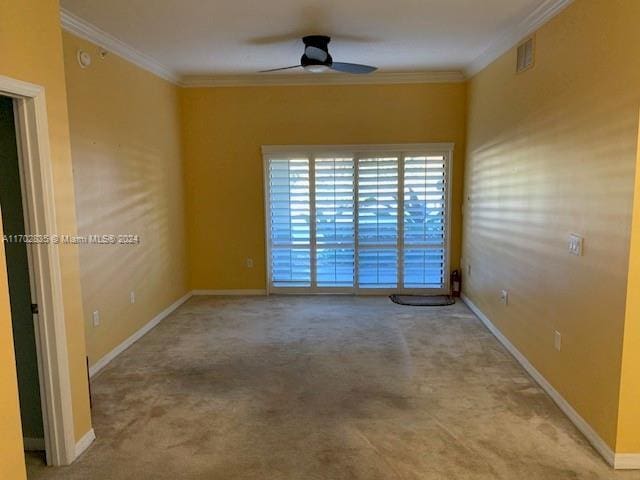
column 125, row 142
column 31, row 47
column 11, row 449
column 629, row 417
column 224, row 128
column 550, row 152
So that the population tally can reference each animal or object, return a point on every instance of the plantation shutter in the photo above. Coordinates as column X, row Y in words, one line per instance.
column 378, row 222
column 335, row 228
column 290, row 219
column 358, row 221
column 424, row 221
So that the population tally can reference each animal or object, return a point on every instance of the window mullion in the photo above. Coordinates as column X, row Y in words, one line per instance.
column 400, row 242
column 312, row 227
column 356, row 219
column 446, row 238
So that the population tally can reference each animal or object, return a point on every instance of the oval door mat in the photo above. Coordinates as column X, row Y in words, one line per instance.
column 423, row 300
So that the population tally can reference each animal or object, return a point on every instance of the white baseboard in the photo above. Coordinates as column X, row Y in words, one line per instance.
column 33, row 444
column 578, row 421
column 234, row 293
column 104, row 361
column 84, row 442
column 627, row 461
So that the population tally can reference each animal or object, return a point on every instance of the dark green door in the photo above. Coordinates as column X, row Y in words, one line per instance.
column 18, row 273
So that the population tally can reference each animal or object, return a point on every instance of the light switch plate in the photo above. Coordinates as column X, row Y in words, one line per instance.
column 96, row 318
column 557, row 340
column 576, row 243
column 504, row 297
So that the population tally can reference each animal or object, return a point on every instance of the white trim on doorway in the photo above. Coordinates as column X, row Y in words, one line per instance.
column 36, row 164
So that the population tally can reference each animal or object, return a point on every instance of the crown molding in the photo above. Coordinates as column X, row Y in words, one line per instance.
column 76, row 25
column 514, row 34
column 510, row 37
column 379, row 78
column 90, row 32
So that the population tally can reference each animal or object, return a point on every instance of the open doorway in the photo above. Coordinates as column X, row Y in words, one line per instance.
column 34, row 272
column 24, row 319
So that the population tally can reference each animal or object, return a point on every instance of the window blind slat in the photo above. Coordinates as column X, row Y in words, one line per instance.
column 334, row 207
column 290, row 216
column 378, row 222
column 424, row 221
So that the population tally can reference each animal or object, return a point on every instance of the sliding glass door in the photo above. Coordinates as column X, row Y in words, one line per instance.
column 357, row 220
column 334, row 205
column 378, row 207
column 290, row 220
column 425, row 219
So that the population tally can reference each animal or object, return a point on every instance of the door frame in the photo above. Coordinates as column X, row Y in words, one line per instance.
column 51, row 338
column 401, row 150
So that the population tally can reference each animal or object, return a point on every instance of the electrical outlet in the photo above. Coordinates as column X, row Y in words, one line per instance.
column 504, row 297
column 132, row 296
column 249, row 262
column 96, row 318
column 576, row 243
column 557, row 340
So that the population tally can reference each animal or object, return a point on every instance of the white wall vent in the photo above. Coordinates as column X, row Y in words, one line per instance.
column 526, row 55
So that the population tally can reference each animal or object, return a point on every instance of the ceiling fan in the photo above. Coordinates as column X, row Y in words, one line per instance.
column 316, row 58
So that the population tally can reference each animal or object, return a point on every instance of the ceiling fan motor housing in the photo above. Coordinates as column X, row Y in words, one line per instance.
column 320, row 42
column 316, row 58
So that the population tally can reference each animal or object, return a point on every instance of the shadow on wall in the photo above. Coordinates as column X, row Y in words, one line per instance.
column 137, row 203
column 563, row 168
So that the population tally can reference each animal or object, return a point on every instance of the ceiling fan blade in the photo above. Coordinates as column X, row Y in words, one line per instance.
column 278, row 69
column 352, row 67
column 316, row 53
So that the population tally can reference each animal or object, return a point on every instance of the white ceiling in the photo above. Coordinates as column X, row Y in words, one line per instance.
column 238, row 37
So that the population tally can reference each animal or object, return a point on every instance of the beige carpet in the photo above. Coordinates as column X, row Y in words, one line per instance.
column 305, row 388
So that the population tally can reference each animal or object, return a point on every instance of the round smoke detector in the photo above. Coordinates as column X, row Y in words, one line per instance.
column 84, row 58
